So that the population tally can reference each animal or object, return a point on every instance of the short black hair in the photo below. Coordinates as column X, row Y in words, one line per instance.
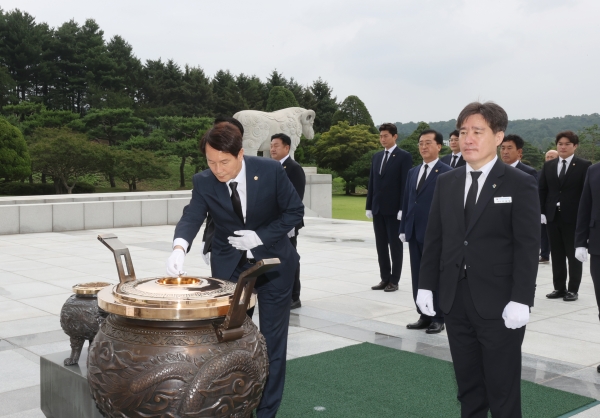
column 519, row 142
column 439, row 138
column 284, row 138
column 493, row 114
column 454, row 133
column 390, row 127
column 234, row 121
column 570, row 135
column 225, row 137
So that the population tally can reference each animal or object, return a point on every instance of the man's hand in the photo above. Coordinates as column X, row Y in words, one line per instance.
column 581, row 254
column 515, row 315
column 245, row 241
column 399, row 215
column 544, row 219
column 425, row 302
column 205, row 257
column 369, row 214
column 403, row 237
column 175, row 263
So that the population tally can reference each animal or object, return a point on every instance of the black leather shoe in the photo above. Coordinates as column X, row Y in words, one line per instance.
column 296, row 304
column 598, row 369
column 391, row 288
column 380, row 286
column 435, row 328
column 544, row 260
column 420, row 324
column 571, row 297
column 556, row 294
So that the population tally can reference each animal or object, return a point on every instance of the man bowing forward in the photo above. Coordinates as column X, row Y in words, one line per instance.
column 481, row 253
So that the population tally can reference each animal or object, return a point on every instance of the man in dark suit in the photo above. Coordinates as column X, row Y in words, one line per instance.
column 253, row 205
column 561, row 184
column 454, row 159
column 480, row 253
column 387, row 179
column 511, row 152
column 280, row 151
column 545, row 245
column 418, row 195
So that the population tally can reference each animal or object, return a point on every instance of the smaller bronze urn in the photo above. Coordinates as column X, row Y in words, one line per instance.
column 80, row 317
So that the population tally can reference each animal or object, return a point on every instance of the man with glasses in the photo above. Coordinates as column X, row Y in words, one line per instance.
column 454, row 159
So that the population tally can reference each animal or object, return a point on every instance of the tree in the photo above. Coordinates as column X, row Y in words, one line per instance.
column 253, row 91
column 7, row 88
column 280, row 98
column 137, row 165
column 411, row 143
column 325, row 106
column 532, row 156
column 15, row 163
column 357, row 174
column 228, row 99
column 354, row 111
column 65, row 155
column 342, row 145
column 589, row 143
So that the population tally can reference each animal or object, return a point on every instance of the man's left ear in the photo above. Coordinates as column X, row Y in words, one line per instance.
column 499, row 137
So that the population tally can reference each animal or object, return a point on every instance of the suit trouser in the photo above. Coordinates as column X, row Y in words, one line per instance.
column 387, row 242
column 415, row 249
column 562, row 242
column 296, row 288
column 595, row 272
column 487, row 360
column 274, row 319
column 545, row 244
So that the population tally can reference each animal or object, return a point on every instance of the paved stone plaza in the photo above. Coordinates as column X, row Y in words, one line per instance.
column 339, row 265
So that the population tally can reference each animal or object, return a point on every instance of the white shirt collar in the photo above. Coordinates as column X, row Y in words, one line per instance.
column 515, row 163
column 391, row 149
column 241, row 177
column 458, row 154
column 284, row 158
column 485, row 170
column 569, row 159
column 431, row 164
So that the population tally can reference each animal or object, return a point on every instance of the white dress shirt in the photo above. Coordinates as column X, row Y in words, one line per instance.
column 560, row 164
column 389, row 156
column 514, row 164
column 284, row 158
column 429, row 167
column 485, row 170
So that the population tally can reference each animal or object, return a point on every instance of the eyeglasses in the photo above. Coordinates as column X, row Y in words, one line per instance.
column 453, row 139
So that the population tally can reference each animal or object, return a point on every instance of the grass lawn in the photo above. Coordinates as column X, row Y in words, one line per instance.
column 349, row 207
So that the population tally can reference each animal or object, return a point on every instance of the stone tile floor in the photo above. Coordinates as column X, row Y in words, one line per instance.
column 339, row 265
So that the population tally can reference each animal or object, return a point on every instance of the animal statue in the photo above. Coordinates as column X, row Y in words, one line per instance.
column 260, row 126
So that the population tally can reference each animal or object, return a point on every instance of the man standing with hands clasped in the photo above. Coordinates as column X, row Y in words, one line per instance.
column 481, row 254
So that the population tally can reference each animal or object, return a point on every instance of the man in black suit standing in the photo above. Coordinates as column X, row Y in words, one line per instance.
column 418, row 195
column 454, row 159
column 561, row 185
column 387, row 179
column 511, row 152
column 545, row 245
column 253, row 205
column 480, row 253
column 280, row 151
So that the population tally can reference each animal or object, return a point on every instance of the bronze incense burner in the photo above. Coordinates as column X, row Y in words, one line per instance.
column 177, row 347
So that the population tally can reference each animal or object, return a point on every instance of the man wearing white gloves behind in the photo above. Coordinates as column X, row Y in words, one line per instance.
column 481, row 254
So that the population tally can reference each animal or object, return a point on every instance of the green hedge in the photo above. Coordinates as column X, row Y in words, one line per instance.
column 16, row 188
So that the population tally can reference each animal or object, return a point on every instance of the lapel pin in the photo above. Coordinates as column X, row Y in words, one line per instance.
column 436, row 171
column 494, row 186
column 255, row 177
column 285, row 166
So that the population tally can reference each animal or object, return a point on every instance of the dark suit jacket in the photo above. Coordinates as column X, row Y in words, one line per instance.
column 415, row 208
column 587, row 233
column 298, row 178
column 527, row 169
column 447, row 159
column 386, row 190
column 500, row 246
column 273, row 208
column 569, row 192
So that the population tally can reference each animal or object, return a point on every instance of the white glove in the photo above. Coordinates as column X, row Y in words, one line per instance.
column 292, row 233
column 581, row 254
column 515, row 315
column 543, row 219
column 425, row 302
column 403, row 237
column 205, row 257
column 399, row 215
column 245, row 241
column 175, row 263
column 369, row 214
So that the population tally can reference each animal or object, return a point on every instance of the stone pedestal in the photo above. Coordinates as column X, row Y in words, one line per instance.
column 317, row 194
column 64, row 389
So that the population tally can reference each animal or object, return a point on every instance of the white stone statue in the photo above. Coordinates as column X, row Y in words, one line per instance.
column 260, row 126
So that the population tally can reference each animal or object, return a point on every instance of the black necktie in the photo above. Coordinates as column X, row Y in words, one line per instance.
column 471, row 196
column 236, row 201
column 385, row 159
column 454, row 158
column 422, row 179
column 563, row 172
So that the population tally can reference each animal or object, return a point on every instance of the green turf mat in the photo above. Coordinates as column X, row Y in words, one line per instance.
column 368, row 380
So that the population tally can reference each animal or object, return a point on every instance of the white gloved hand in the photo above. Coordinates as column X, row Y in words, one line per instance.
column 369, row 214
column 245, row 241
column 175, row 263
column 292, row 233
column 425, row 302
column 205, row 257
column 581, row 254
column 399, row 215
column 403, row 237
column 515, row 315
column 543, row 219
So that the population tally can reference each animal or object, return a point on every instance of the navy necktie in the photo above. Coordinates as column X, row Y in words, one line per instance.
column 471, row 197
column 422, row 179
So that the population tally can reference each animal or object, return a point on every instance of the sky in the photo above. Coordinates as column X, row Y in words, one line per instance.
column 406, row 60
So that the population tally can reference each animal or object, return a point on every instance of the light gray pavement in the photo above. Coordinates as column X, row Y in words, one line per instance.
column 339, row 265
